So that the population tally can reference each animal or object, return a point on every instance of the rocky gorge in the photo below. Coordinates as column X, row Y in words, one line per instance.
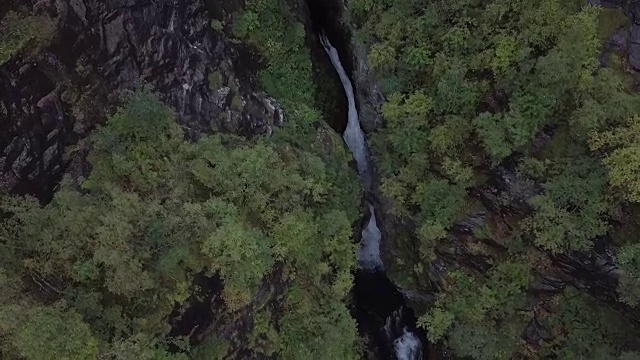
column 56, row 93
column 60, row 90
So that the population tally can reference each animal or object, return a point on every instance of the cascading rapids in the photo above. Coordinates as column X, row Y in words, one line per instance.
column 407, row 346
column 369, row 254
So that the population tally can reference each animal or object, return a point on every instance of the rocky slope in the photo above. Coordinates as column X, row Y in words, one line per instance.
column 52, row 99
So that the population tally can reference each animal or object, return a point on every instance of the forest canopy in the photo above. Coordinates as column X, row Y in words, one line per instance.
column 508, row 160
column 99, row 269
column 472, row 88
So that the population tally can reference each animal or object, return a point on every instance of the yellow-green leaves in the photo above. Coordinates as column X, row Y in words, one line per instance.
column 157, row 211
column 622, row 157
column 629, row 263
column 382, row 57
column 241, row 254
column 479, row 315
column 408, row 119
column 47, row 333
column 624, row 171
column 438, row 322
column 507, row 52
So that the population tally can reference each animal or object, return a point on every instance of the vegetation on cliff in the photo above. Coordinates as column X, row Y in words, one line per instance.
column 101, row 270
column 102, row 266
column 17, row 32
column 107, row 268
column 470, row 84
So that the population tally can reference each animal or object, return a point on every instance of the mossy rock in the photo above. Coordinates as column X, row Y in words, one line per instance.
column 236, row 103
column 18, row 33
column 217, row 25
column 610, row 20
column 216, row 80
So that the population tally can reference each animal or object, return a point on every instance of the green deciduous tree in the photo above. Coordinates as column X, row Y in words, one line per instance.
column 629, row 282
column 622, row 145
column 43, row 333
column 571, row 212
column 586, row 329
column 123, row 248
column 505, row 80
column 479, row 315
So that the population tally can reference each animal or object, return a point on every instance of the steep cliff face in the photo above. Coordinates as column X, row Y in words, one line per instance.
column 53, row 98
column 333, row 18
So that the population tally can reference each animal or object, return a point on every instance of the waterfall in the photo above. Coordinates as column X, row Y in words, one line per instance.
column 407, row 345
column 369, row 253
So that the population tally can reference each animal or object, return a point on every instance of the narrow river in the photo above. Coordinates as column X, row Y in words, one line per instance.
column 405, row 344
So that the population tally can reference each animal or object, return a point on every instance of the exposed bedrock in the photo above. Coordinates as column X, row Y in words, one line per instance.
column 54, row 98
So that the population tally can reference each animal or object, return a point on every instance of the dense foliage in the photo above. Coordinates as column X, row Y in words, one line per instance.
column 100, row 268
column 471, row 85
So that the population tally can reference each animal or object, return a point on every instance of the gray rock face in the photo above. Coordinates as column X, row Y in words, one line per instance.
column 368, row 93
column 507, row 191
column 103, row 47
column 32, row 130
column 634, row 38
column 626, row 40
column 336, row 23
column 608, row 3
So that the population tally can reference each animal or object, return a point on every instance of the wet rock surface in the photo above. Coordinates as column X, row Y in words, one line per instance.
column 332, row 17
column 52, row 99
column 506, row 191
column 368, row 92
column 633, row 12
column 382, row 314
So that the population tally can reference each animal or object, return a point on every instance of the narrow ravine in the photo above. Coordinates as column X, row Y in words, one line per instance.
column 369, row 254
column 395, row 333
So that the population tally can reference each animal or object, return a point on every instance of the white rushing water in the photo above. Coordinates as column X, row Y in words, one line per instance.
column 369, row 253
column 408, row 346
